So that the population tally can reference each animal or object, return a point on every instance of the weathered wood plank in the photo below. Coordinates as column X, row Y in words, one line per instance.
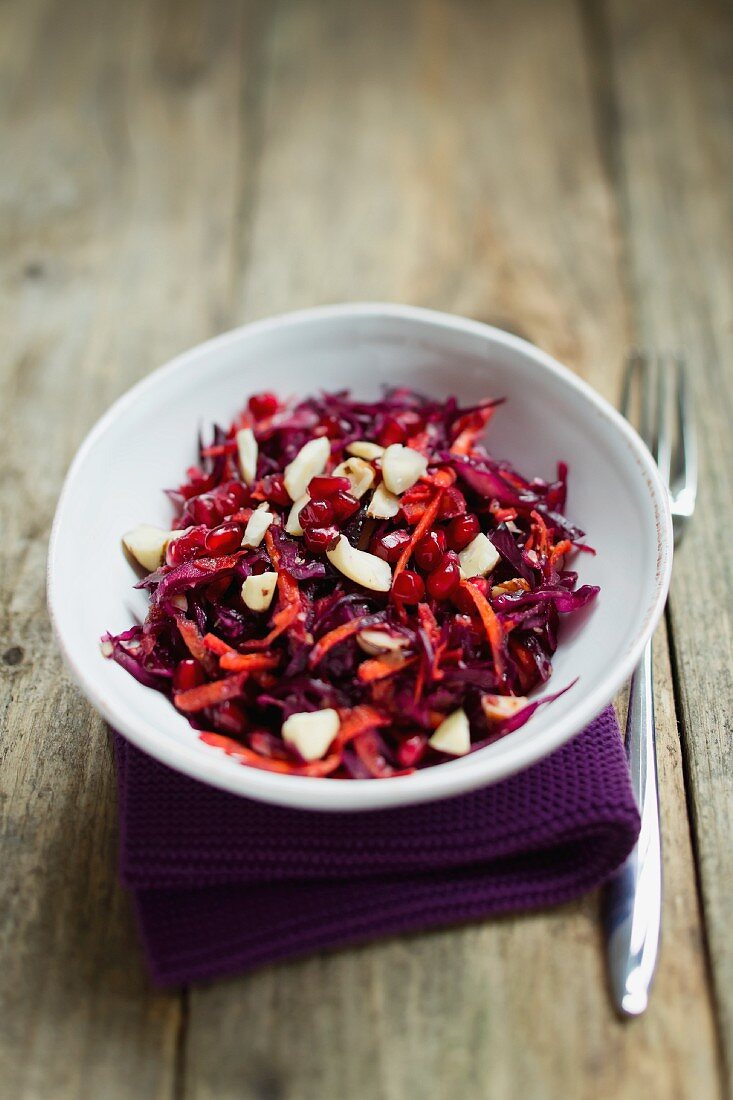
column 670, row 68
column 446, row 154
column 121, row 201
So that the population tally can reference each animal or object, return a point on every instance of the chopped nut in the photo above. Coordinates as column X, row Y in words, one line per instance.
column 309, row 462
column 515, row 584
column 147, row 545
column 383, row 505
column 257, row 592
column 374, row 641
column 257, row 524
column 498, row 707
column 366, row 569
column 478, row 558
column 363, row 449
column 248, row 451
column 359, row 473
column 311, row 732
column 453, row 735
column 402, row 467
column 292, row 524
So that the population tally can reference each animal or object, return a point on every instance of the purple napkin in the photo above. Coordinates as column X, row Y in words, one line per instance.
column 222, row 884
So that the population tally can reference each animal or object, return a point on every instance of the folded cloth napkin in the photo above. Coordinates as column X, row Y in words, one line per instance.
column 222, row 884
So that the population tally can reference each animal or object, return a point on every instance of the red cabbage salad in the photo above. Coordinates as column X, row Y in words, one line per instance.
column 353, row 589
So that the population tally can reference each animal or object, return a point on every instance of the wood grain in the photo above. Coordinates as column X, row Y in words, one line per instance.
column 442, row 205
column 113, row 258
column 670, row 140
column 178, row 167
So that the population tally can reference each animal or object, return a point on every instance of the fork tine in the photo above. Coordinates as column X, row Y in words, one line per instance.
column 647, row 426
column 633, row 366
column 662, row 443
column 683, row 488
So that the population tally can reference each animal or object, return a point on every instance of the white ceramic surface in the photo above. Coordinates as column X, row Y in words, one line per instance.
column 145, row 441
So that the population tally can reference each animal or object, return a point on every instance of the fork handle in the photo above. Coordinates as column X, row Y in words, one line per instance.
column 633, row 896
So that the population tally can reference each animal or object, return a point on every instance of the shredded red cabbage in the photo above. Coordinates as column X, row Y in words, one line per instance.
column 424, row 651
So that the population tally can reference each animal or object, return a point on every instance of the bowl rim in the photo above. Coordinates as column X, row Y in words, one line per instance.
column 430, row 784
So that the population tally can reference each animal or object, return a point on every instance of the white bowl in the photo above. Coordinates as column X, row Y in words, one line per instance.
column 145, row 441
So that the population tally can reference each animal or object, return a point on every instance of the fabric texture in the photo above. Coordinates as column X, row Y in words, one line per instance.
column 223, row 884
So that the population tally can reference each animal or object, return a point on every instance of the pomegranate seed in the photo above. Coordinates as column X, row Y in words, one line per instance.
column 186, row 547
column 262, row 405
column 316, row 513
column 408, row 586
column 428, row 552
column 324, row 487
column 261, row 566
column 453, row 504
column 319, row 539
column 240, row 491
column 344, row 506
column 187, row 674
column 229, row 716
column 212, row 507
column 333, row 427
column 462, row 530
column 225, row 539
column 463, row 601
column 203, row 510
column 273, row 487
column 198, row 482
column 412, row 421
column 412, row 750
column 390, row 546
column 444, row 580
column 391, row 432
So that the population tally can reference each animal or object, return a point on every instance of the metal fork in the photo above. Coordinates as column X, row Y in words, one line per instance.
column 633, row 897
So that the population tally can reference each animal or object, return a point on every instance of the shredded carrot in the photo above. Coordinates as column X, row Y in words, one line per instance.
column 413, row 512
column 268, row 763
column 286, row 585
column 195, row 644
column 430, row 513
column 249, row 662
column 272, row 550
column 286, row 617
column 429, row 624
column 503, row 515
column 472, row 426
column 217, row 645
column 379, row 668
column 491, row 624
column 421, row 491
column 290, row 612
column 560, row 549
column 356, row 721
column 333, row 637
column 218, row 449
column 540, row 537
column 208, row 695
column 443, row 478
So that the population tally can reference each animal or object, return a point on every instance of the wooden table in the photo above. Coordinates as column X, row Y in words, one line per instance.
column 561, row 169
